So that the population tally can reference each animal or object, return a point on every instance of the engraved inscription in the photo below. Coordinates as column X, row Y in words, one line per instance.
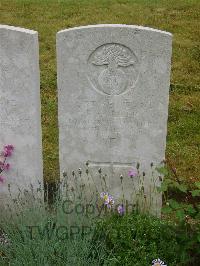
column 112, row 164
column 113, row 69
column 12, row 115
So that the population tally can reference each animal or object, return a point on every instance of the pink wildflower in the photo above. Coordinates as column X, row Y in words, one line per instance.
column 121, row 209
column 9, row 147
column 2, row 179
column 109, row 202
column 132, row 172
column 7, row 150
column 108, row 199
column 6, row 166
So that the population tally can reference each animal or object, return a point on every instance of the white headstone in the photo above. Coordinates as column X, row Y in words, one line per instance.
column 113, row 87
column 20, row 117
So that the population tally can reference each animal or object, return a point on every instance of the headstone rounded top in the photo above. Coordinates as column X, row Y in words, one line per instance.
column 134, row 27
column 12, row 28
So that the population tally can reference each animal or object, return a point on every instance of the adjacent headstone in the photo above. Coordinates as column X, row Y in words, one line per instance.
column 20, row 118
column 113, row 87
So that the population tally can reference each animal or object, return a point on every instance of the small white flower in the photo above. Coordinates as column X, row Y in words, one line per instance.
column 158, row 262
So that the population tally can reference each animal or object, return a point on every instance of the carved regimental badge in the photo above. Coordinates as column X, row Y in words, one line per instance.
column 112, row 69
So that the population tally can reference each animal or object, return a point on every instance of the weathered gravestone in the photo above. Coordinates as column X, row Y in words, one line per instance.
column 113, row 87
column 20, row 110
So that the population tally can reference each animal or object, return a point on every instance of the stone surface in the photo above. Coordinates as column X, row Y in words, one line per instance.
column 113, row 87
column 20, row 118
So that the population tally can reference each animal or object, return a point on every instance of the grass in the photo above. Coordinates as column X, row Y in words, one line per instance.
column 182, row 18
column 38, row 235
column 137, row 239
column 61, row 234
column 130, row 240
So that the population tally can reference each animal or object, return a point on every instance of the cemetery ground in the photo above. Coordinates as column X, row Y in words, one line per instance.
column 175, row 239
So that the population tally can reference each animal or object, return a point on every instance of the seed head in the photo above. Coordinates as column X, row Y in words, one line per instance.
column 64, row 174
column 79, row 171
